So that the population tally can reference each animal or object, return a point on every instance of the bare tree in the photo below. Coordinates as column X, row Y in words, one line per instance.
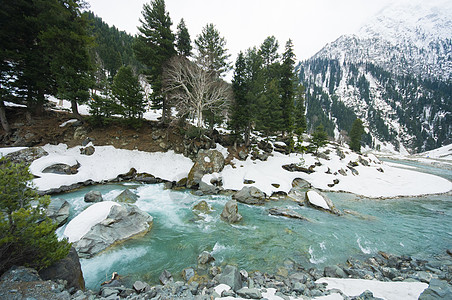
column 193, row 89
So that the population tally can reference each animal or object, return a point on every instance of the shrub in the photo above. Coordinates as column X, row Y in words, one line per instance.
column 27, row 235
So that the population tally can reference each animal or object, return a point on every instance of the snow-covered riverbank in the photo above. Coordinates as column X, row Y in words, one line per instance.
column 368, row 177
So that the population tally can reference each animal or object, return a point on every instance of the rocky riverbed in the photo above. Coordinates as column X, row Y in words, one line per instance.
column 292, row 281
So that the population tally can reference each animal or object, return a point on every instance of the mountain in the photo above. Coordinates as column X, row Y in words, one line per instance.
column 395, row 74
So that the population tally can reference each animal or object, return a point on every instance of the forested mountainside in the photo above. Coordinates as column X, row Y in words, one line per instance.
column 112, row 47
column 395, row 75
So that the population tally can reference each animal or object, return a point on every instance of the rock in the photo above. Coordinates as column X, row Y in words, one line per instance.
column 68, row 269
column 342, row 172
column 352, row 164
column 207, row 162
column 284, row 212
column 323, row 156
column 208, row 189
column 87, row 150
column 141, row 287
column 248, row 293
column 243, row 155
column 437, row 289
column 26, row 156
column 318, row 200
column 165, row 277
column 362, row 161
column 230, row 212
column 249, row 195
column 202, row 207
column 354, row 171
column 231, row 276
column 298, row 168
column 106, row 292
column 334, row 271
column 267, row 147
column 62, row 169
column 380, row 170
column 20, row 274
column 204, row 259
column 128, row 176
column 80, row 133
column 86, row 141
column 366, row 295
column 58, row 211
column 126, row 196
column 122, row 223
column 188, row 274
column 248, row 181
column 147, row 178
column 340, row 153
column 93, row 197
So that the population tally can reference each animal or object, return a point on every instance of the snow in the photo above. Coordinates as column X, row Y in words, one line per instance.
column 370, row 182
column 5, row 151
column 317, row 200
column 11, row 104
column 380, row 289
column 107, row 163
column 68, row 122
column 444, row 152
column 82, row 223
column 351, row 288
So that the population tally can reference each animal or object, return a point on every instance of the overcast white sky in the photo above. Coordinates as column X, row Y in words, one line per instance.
column 246, row 23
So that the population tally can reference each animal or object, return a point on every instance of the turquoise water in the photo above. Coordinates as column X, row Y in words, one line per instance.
column 420, row 227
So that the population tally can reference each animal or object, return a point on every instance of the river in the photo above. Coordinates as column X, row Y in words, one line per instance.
column 419, row 226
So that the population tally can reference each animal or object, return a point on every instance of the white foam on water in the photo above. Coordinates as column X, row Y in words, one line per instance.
column 313, row 258
column 322, row 245
column 217, row 248
column 365, row 250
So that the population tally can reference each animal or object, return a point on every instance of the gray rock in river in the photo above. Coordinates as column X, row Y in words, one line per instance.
column 284, row 212
column 318, row 200
column 93, row 197
column 250, row 195
column 122, row 223
column 437, row 289
column 58, row 211
column 230, row 212
column 126, row 196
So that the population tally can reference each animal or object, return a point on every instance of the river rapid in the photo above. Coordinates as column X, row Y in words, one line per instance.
column 418, row 226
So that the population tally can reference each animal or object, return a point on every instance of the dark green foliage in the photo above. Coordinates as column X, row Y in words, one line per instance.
column 112, row 48
column 154, row 47
column 211, row 51
column 183, row 41
column 300, row 111
column 355, row 135
column 101, row 108
column 126, row 90
column 240, row 117
column 319, row 139
column 288, row 86
column 27, row 236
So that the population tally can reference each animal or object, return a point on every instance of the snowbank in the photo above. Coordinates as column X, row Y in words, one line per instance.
column 374, row 181
column 380, row 289
column 107, row 163
column 82, row 223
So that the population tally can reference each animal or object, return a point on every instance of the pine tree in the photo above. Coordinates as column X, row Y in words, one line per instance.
column 211, row 51
column 70, row 60
column 300, row 111
column 319, row 139
column 27, row 236
column 154, row 47
column 356, row 134
column 183, row 42
column 126, row 89
column 240, row 121
column 288, row 85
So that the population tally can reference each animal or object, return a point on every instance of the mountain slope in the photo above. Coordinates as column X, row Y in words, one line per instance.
column 395, row 74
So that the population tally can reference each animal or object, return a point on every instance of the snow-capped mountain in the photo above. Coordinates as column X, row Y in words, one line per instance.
column 395, row 73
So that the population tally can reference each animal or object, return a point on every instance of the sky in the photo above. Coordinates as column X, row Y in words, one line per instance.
column 311, row 24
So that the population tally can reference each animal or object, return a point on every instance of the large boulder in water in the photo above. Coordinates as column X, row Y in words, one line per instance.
column 68, row 269
column 230, row 212
column 93, row 197
column 318, row 200
column 207, row 162
column 58, row 211
column 250, row 195
column 106, row 223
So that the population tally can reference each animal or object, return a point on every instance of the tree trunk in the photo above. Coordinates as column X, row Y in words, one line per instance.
column 3, row 119
column 75, row 112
